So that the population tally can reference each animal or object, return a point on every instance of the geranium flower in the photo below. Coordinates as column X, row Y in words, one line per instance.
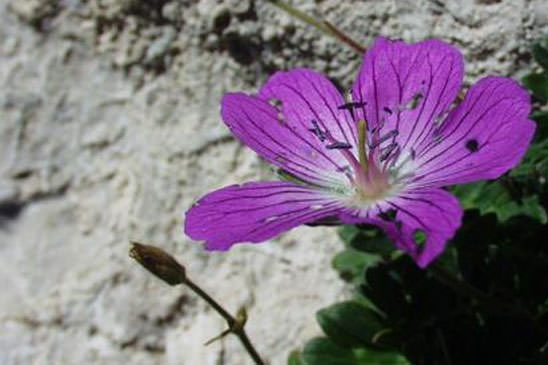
column 381, row 156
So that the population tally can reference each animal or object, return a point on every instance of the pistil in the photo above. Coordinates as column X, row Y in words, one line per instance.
column 362, row 140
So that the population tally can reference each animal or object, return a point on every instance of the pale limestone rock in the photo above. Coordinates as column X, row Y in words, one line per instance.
column 111, row 130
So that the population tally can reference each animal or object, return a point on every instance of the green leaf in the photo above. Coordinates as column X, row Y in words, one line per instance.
column 493, row 197
column 348, row 233
column 540, row 53
column 350, row 324
column 295, row 358
column 538, row 84
column 322, row 351
column 351, row 264
column 541, row 117
column 534, row 164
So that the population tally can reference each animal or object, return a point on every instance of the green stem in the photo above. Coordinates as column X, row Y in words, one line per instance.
column 234, row 325
column 165, row 267
column 212, row 302
column 322, row 25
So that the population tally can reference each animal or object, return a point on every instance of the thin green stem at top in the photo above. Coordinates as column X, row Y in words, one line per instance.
column 322, row 25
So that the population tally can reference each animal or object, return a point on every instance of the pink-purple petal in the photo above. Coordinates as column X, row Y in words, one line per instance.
column 406, row 88
column 484, row 137
column 307, row 96
column 432, row 212
column 255, row 212
column 259, row 125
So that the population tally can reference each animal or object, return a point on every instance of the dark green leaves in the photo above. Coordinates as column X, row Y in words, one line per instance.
column 540, row 54
column 496, row 197
column 323, row 351
column 538, row 84
column 350, row 324
column 295, row 358
column 351, row 263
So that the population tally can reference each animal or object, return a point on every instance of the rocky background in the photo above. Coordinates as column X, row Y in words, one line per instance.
column 110, row 129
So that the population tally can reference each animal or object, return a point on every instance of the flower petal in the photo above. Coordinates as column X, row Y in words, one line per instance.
column 258, row 124
column 307, row 96
column 485, row 136
column 255, row 212
column 434, row 213
column 406, row 87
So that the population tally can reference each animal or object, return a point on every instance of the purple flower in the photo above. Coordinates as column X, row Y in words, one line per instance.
column 381, row 156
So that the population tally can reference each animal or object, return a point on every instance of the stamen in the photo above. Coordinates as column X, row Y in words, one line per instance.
column 414, row 102
column 411, row 156
column 339, row 146
column 362, row 140
column 387, row 110
column 352, row 105
column 387, row 151
column 317, row 131
column 387, row 136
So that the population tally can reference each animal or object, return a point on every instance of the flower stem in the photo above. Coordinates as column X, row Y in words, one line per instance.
column 322, row 25
column 165, row 267
column 236, row 326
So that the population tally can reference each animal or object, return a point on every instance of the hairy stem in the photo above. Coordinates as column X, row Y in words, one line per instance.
column 322, row 25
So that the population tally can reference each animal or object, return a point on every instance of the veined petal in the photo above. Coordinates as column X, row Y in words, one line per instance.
column 485, row 136
column 434, row 213
column 406, row 88
column 260, row 126
column 307, row 96
column 255, row 212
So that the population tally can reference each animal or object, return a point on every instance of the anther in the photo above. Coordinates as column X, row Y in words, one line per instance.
column 387, row 110
column 414, row 102
column 339, row 146
column 352, row 105
column 387, row 151
column 317, row 131
column 387, row 136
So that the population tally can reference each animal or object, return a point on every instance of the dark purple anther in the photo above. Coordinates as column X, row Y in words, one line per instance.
column 387, row 136
column 387, row 151
column 317, row 131
column 339, row 146
column 352, row 105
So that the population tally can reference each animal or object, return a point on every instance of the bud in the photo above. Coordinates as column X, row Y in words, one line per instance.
column 158, row 262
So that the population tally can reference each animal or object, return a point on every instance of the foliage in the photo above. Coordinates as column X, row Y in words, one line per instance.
column 485, row 301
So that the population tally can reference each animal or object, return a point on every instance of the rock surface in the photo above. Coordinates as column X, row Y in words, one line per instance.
column 110, row 129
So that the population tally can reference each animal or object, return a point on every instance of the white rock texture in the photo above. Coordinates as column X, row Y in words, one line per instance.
column 110, row 129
